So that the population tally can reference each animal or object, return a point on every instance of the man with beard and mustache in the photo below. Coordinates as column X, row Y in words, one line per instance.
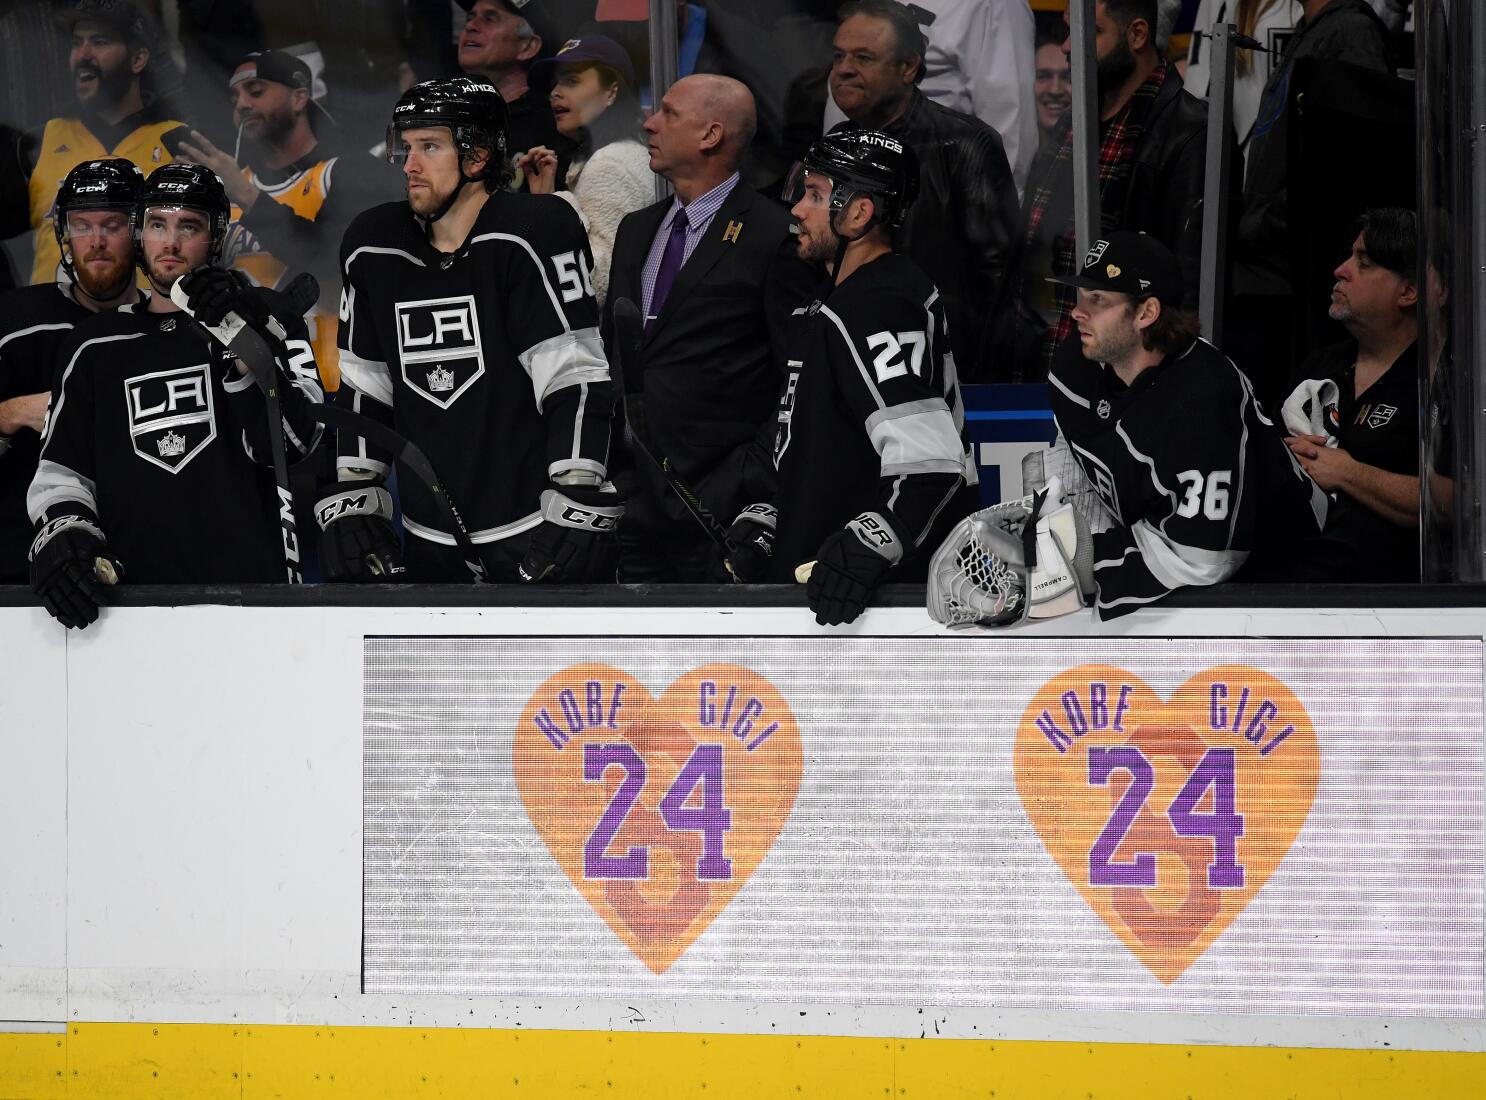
column 111, row 44
column 94, row 207
column 155, row 459
column 287, row 217
column 1197, row 484
column 1152, row 164
column 874, row 463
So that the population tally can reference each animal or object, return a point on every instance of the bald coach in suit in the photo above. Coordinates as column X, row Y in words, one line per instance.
column 714, row 271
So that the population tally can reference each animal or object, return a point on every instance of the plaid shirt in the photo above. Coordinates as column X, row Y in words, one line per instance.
column 1050, row 233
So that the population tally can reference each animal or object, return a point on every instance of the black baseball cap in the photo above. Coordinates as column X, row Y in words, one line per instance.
column 1130, row 263
column 596, row 48
column 278, row 67
column 530, row 10
column 123, row 15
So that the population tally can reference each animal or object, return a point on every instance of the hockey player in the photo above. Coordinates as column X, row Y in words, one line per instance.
column 152, row 463
column 469, row 325
column 871, row 448
column 1198, row 482
column 94, row 210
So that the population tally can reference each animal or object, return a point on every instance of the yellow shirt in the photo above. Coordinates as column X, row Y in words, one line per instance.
column 304, row 193
column 65, row 144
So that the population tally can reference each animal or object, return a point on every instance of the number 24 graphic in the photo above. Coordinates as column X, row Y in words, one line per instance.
column 1224, row 824
column 712, row 819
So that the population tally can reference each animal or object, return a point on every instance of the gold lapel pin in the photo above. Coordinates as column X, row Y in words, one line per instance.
column 730, row 235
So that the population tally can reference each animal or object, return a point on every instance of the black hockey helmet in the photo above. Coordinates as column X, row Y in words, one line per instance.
column 861, row 162
column 473, row 111
column 110, row 184
column 184, row 185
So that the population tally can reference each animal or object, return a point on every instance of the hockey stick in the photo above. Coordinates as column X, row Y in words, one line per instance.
column 249, row 346
column 629, row 330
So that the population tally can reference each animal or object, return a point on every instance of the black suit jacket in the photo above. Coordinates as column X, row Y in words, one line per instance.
column 710, row 368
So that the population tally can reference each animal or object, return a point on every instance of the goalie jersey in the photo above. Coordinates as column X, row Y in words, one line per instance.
column 154, row 436
column 488, row 359
column 1198, row 481
column 871, row 418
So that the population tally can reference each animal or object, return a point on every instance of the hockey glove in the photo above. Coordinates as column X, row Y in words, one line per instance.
column 752, row 533
column 851, row 563
column 68, row 557
column 357, row 540
column 577, row 538
column 214, row 292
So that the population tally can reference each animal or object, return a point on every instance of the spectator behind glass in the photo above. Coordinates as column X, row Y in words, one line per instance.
column 297, row 192
column 112, row 43
column 501, row 42
column 1267, row 21
column 960, row 229
column 1152, row 162
column 1052, row 90
column 716, row 273
column 1263, row 318
column 1359, row 437
column 596, row 109
column 979, row 62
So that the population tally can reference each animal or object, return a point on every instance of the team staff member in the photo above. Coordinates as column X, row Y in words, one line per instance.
column 718, row 301
column 283, row 200
column 871, row 447
column 1371, row 460
column 110, row 52
column 95, row 210
column 157, row 441
column 471, row 328
column 1199, row 482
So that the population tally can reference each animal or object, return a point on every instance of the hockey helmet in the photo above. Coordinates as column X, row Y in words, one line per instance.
column 861, row 162
column 110, row 184
column 473, row 111
column 191, row 186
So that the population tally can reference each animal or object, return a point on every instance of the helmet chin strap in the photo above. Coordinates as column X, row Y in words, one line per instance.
column 448, row 204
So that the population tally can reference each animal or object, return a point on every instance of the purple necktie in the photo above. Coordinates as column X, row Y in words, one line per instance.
column 670, row 264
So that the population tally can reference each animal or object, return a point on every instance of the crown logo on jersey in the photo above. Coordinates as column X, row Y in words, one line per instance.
column 171, row 445
column 440, row 380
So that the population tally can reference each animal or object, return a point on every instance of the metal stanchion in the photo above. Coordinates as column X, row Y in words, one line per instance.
column 1214, row 274
column 663, row 64
column 1086, row 222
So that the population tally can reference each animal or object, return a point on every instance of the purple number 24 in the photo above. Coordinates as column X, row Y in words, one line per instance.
column 712, row 819
column 1224, row 824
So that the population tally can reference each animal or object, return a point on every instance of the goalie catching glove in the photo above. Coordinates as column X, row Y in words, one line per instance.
column 1028, row 558
column 357, row 539
column 577, row 540
column 69, row 558
column 850, row 565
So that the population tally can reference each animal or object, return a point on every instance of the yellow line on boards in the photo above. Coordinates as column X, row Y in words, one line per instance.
column 258, row 1062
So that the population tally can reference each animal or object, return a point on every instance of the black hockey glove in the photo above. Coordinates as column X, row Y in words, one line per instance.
column 577, row 540
column 752, row 533
column 69, row 560
column 357, row 540
column 214, row 292
column 851, row 563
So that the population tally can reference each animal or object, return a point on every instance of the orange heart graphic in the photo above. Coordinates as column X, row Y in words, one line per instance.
column 1169, row 817
column 658, row 810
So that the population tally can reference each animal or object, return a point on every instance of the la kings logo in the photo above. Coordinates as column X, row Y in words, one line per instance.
column 171, row 416
column 438, row 342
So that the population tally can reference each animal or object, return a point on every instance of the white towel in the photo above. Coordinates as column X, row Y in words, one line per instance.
column 1312, row 409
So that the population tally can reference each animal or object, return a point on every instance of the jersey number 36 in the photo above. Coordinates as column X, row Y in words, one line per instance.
column 1207, row 494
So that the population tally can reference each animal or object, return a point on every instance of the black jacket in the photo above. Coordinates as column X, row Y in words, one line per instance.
column 711, row 366
column 961, row 229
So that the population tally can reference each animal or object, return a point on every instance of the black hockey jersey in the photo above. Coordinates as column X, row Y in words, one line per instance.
column 154, row 434
column 1198, row 480
column 489, row 359
column 871, row 419
column 34, row 323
